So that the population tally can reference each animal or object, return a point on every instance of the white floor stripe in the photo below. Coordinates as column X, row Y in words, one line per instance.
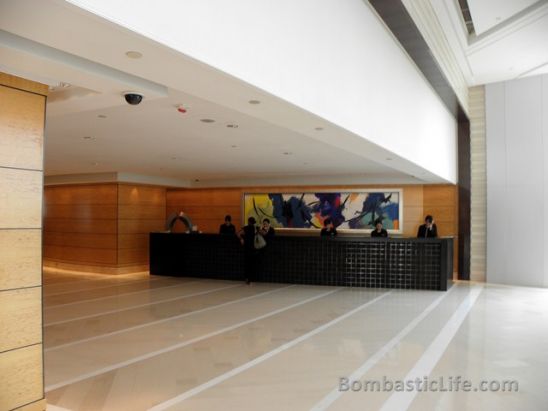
column 400, row 401
column 120, row 284
column 185, row 343
column 164, row 320
column 119, row 295
column 223, row 377
column 330, row 398
column 182, row 297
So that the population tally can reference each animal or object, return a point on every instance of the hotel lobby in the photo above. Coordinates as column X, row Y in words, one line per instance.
column 258, row 205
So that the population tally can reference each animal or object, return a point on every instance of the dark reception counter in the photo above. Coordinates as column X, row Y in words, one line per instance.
column 425, row 264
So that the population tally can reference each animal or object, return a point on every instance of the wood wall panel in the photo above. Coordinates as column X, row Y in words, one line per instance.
column 20, row 318
column 22, row 113
column 23, row 84
column 80, row 224
column 21, row 377
column 81, row 211
column 21, row 128
column 85, row 240
column 82, row 255
column 20, row 258
column 85, row 194
column 83, row 226
column 141, row 209
column 21, row 198
column 133, row 241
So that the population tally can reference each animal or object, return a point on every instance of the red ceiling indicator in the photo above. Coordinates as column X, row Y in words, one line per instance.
column 181, row 109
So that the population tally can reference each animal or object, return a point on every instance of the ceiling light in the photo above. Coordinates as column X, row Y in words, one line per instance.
column 318, row 128
column 134, row 54
column 181, row 109
column 286, row 153
column 64, row 85
column 389, row 158
column 207, row 120
column 88, row 138
column 196, row 180
column 95, row 164
column 102, row 116
column 254, row 102
column 232, row 125
column 234, row 146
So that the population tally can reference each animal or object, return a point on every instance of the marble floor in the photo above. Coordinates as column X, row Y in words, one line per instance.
column 139, row 342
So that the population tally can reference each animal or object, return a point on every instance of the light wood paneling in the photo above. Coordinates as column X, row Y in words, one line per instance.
column 21, row 128
column 35, row 406
column 20, row 318
column 20, row 258
column 21, row 162
column 478, row 162
column 21, row 377
column 23, row 84
column 21, row 198
column 81, row 254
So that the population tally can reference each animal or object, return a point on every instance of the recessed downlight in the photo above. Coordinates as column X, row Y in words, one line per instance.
column 234, row 146
column 88, row 138
column 102, row 116
column 232, row 125
column 388, row 158
column 318, row 128
column 287, row 153
column 132, row 54
column 207, row 120
column 254, row 102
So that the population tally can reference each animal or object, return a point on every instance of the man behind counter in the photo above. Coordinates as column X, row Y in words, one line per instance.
column 428, row 229
column 227, row 228
column 379, row 231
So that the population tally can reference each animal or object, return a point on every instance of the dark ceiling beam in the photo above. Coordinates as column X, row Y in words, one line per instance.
column 400, row 23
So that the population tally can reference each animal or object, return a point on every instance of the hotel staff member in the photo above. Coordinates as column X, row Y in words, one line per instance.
column 329, row 229
column 379, row 231
column 227, row 227
column 428, row 229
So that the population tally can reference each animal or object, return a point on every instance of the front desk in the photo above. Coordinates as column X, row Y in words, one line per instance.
column 424, row 264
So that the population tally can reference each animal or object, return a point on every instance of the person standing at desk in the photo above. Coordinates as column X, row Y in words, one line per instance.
column 379, row 231
column 227, row 228
column 428, row 229
column 329, row 229
column 247, row 238
column 267, row 231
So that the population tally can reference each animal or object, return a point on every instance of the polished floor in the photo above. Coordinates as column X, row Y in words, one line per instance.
column 137, row 342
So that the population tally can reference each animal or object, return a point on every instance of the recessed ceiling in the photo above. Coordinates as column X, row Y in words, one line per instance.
column 487, row 14
column 510, row 39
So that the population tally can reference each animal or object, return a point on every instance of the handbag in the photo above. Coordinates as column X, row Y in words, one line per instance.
column 259, row 242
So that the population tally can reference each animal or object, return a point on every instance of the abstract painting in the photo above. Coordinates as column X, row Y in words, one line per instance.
column 348, row 210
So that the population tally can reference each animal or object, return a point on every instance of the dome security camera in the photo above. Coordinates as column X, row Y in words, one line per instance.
column 133, row 98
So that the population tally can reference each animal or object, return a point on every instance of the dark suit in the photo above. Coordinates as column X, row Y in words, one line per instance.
column 424, row 232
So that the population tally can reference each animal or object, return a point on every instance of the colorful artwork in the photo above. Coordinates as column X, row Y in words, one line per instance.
column 347, row 210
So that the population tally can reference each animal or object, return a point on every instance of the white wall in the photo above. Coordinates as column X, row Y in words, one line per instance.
column 332, row 58
column 517, row 182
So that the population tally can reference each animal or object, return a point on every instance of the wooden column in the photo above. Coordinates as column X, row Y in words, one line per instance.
column 22, row 115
